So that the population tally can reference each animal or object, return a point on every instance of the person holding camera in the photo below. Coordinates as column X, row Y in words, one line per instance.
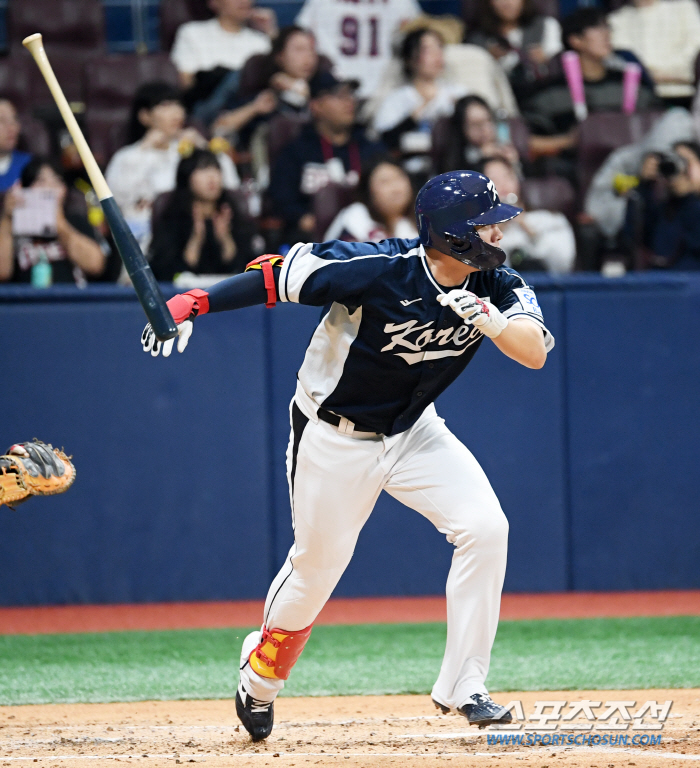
column 41, row 241
column 662, row 223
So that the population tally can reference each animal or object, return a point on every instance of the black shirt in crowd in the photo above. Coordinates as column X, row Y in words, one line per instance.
column 172, row 231
column 309, row 163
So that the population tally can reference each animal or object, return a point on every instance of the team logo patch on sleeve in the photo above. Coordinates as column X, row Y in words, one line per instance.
column 528, row 300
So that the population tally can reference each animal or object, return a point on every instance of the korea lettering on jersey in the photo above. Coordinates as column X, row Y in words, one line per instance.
column 385, row 348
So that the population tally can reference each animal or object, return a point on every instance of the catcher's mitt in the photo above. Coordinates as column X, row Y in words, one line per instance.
column 33, row 469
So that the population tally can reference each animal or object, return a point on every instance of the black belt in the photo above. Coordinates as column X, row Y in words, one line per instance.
column 334, row 420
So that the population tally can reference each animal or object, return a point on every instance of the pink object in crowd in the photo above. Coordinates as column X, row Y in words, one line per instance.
column 630, row 87
column 574, row 77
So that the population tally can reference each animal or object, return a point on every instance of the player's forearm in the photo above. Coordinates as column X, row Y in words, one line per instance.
column 523, row 341
column 239, row 291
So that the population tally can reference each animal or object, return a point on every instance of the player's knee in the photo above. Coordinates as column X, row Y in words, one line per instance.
column 330, row 557
column 489, row 534
column 493, row 534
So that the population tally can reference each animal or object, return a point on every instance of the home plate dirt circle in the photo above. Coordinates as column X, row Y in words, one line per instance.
column 366, row 731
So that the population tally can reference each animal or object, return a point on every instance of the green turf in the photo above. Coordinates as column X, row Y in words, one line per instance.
column 372, row 658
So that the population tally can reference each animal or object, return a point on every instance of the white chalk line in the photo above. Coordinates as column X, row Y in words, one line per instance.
column 282, row 724
column 199, row 757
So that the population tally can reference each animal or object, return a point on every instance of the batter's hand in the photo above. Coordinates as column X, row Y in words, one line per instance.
column 184, row 307
column 150, row 343
column 475, row 311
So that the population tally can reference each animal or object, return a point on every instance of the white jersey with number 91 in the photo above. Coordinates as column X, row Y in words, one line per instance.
column 357, row 34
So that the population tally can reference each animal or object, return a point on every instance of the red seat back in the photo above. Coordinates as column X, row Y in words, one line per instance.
column 552, row 193
column 327, row 204
column 603, row 132
column 15, row 81
column 106, row 132
column 66, row 24
column 173, row 13
column 111, row 81
column 282, row 129
column 471, row 11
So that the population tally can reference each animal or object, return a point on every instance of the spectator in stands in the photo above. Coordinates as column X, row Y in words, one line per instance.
column 406, row 117
column 549, row 109
column 210, row 54
column 68, row 254
column 603, row 217
column 282, row 85
column 357, row 37
column 12, row 161
column 145, row 168
column 202, row 229
column 522, row 40
column 475, row 137
column 384, row 208
column 330, row 149
column 663, row 213
column 665, row 36
column 541, row 240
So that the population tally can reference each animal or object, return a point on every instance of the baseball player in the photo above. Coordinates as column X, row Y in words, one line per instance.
column 401, row 320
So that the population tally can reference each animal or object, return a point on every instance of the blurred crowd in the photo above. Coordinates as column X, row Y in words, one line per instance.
column 256, row 137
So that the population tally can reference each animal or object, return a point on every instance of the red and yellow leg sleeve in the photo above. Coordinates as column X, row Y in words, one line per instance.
column 278, row 651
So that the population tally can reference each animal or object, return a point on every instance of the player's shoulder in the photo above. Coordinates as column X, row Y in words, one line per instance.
column 504, row 278
column 384, row 252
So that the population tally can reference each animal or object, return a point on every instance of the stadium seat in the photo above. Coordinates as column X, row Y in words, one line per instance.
column 15, row 81
column 111, row 81
column 603, row 132
column 69, row 69
column 282, row 130
column 519, row 135
column 173, row 13
column 106, row 130
column 553, row 193
column 199, row 9
column 327, row 204
column 34, row 137
column 444, row 135
column 65, row 24
column 470, row 11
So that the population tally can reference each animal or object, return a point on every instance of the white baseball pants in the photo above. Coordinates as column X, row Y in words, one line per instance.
column 335, row 480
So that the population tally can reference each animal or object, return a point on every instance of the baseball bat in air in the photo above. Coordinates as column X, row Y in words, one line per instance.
column 141, row 275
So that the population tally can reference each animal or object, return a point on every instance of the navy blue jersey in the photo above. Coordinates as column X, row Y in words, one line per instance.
column 385, row 348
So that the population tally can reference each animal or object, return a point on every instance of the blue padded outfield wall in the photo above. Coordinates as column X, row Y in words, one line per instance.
column 180, row 491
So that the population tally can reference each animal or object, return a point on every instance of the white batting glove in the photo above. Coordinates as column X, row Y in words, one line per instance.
column 150, row 343
column 475, row 311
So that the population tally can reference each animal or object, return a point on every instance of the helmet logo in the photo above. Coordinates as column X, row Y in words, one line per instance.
column 492, row 192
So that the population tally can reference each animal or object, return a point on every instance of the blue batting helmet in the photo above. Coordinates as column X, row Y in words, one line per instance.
column 450, row 206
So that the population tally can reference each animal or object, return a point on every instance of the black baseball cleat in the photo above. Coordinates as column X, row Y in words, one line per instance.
column 445, row 710
column 482, row 710
column 257, row 716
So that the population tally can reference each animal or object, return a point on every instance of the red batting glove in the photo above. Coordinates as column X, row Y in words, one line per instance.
column 186, row 306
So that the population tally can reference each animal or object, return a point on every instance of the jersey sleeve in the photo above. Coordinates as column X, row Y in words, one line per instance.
column 515, row 298
column 336, row 271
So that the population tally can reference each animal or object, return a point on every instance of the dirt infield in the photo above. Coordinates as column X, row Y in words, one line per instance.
column 348, row 731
